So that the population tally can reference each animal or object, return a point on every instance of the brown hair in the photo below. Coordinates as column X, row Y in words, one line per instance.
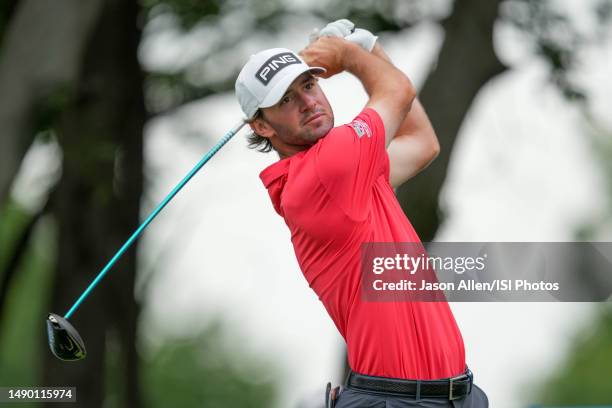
column 257, row 142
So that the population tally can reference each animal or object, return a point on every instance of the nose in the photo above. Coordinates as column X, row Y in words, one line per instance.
column 308, row 102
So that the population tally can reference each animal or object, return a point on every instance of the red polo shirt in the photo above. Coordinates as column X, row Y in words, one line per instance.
column 333, row 197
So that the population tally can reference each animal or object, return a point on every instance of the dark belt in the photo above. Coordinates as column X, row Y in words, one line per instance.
column 448, row 388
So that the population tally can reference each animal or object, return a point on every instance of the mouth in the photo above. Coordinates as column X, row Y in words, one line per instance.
column 314, row 117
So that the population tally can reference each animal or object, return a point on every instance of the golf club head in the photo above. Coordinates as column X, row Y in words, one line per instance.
column 64, row 341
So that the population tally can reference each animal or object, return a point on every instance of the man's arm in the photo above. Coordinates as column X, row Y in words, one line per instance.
column 413, row 148
column 390, row 92
column 415, row 144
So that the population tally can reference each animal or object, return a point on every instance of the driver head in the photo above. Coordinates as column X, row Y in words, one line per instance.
column 64, row 341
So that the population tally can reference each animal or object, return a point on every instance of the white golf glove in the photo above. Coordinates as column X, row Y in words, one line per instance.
column 346, row 29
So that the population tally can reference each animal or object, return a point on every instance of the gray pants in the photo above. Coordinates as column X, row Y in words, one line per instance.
column 359, row 399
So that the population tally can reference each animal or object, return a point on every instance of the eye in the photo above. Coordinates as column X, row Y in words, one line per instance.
column 286, row 99
column 309, row 85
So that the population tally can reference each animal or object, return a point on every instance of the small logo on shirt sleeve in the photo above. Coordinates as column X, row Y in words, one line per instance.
column 361, row 128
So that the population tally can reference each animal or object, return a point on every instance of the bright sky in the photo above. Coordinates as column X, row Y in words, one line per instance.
column 522, row 170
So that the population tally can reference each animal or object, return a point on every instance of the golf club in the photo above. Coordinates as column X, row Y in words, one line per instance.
column 64, row 340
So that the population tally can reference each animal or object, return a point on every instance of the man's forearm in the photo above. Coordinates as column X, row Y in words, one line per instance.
column 415, row 119
column 391, row 92
column 378, row 76
column 414, row 145
column 380, row 53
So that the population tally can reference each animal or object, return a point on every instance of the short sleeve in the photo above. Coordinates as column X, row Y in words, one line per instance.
column 350, row 159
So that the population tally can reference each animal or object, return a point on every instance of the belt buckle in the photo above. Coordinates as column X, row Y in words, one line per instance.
column 455, row 378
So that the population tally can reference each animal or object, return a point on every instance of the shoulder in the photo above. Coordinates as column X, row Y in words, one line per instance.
column 367, row 124
column 365, row 128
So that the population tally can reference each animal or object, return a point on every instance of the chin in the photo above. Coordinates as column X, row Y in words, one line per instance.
column 319, row 135
column 323, row 130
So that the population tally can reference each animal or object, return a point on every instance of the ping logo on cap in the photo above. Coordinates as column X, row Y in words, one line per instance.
column 274, row 65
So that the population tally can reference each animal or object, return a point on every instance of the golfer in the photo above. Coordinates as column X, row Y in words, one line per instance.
column 333, row 186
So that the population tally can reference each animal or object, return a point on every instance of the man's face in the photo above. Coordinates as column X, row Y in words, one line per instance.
column 299, row 119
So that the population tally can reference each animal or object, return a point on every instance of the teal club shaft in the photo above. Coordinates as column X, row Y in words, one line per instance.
column 156, row 211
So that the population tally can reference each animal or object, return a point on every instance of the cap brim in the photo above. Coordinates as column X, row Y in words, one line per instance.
column 275, row 94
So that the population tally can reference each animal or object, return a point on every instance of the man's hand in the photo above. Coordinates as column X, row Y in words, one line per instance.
column 339, row 28
column 327, row 52
column 346, row 29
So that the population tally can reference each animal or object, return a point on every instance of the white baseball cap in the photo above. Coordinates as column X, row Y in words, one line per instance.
column 267, row 75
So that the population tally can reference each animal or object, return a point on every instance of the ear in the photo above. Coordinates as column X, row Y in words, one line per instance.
column 262, row 128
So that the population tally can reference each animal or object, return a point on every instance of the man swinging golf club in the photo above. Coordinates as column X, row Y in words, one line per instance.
column 333, row 187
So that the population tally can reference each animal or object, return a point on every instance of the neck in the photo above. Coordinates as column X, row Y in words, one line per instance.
column 286, row 150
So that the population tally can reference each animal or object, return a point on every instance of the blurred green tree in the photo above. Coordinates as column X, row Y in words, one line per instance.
column 21, row 329
column 583, row 378
column 200, row 371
